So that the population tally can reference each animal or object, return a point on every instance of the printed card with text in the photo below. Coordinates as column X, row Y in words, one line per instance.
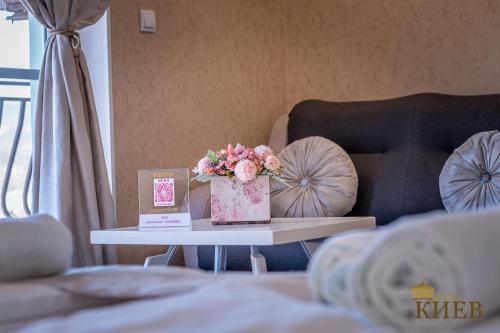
column 164, row 198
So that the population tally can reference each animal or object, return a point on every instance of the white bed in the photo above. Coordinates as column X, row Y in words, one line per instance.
column 372, row 273
column 131, row 299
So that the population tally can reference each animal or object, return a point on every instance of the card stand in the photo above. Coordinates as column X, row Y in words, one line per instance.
column 164, row 198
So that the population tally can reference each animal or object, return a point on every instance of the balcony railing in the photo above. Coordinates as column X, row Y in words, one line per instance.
column 12, row 80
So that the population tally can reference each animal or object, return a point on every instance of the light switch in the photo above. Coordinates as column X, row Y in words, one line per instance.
column 148, row 20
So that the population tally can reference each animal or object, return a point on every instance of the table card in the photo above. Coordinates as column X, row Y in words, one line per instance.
column 164, row 198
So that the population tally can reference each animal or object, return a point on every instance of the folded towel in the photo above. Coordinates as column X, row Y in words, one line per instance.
column 330, row 285
column 34, row 246
column 374, row 271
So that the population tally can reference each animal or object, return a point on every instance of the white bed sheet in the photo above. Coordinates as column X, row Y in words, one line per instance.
column 232, row 302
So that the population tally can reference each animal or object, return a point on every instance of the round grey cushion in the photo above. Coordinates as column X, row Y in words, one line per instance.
column 470, row 179
column 32, row 247
column 323, row 179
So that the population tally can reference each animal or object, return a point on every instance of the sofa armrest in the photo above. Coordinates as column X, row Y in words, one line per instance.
column 278, row 139
column 199, row 202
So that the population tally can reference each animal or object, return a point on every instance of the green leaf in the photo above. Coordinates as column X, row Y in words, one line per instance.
column 212, row 156
column 281, row 180
column 203, row 178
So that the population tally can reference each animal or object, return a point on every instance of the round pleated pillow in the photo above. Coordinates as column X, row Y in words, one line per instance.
column 322, row 177
column 32, row 247
column 470, row 179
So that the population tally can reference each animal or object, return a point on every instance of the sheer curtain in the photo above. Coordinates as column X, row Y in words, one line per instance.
column 70, row 181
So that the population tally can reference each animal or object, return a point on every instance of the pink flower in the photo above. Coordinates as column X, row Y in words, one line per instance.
column 218, row 209
column 256, row 199
column 263, row 151
column 253, row 191
column 204, row 166
column 244, row 154
column 239, row 148
column 245, row 170
column 231, row 150
column 272, row 163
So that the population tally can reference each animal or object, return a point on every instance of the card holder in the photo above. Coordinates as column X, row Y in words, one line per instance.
column 164, row 197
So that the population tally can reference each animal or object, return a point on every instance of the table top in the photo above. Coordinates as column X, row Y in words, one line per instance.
column 202, row 232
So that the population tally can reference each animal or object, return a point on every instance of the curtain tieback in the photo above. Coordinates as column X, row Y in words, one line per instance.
column 72, row 34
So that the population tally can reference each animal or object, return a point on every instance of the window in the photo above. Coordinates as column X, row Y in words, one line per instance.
column 21, row 42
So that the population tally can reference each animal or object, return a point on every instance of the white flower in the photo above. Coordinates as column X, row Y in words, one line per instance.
column 263, row 151
column 203, row 166
column 245, row 170
column 272, row 163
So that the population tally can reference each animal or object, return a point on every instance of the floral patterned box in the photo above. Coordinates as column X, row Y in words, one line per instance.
column 235, row 202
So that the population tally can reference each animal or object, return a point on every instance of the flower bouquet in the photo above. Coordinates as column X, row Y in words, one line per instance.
column 239, row 183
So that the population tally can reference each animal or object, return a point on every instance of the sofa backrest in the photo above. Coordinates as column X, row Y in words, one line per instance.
column 398, row 146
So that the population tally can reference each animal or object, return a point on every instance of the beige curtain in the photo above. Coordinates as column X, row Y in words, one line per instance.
column 69, row 173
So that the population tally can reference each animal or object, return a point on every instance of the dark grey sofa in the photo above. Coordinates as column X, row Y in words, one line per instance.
column 398, row 146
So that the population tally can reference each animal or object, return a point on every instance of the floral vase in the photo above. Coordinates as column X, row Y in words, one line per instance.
column 235, row 202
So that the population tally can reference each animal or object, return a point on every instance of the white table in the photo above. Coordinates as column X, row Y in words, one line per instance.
column 202, row 232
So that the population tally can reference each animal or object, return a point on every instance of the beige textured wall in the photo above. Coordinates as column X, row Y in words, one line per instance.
column 212, row 73
column 219, row 71
column 371, row 49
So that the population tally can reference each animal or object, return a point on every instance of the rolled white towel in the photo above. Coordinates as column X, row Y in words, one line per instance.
column 329, row 266
column 34, row 246
column 456, row 254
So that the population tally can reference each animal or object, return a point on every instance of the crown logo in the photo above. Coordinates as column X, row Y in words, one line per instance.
column 422, row 291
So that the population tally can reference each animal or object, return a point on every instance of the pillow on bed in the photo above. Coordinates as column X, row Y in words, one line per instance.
column 24, row 302
column 322, row 177
column 90, row 287
column 34, row 246
column 470, row 179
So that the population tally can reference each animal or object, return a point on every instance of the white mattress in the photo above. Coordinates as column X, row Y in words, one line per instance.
column 198, row 302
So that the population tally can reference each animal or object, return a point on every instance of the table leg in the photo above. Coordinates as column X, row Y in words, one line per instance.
column 170, row 254
column 224, row 259
column 258, row 261
column 162, row 259
column 305, row 249
column 220, row 259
